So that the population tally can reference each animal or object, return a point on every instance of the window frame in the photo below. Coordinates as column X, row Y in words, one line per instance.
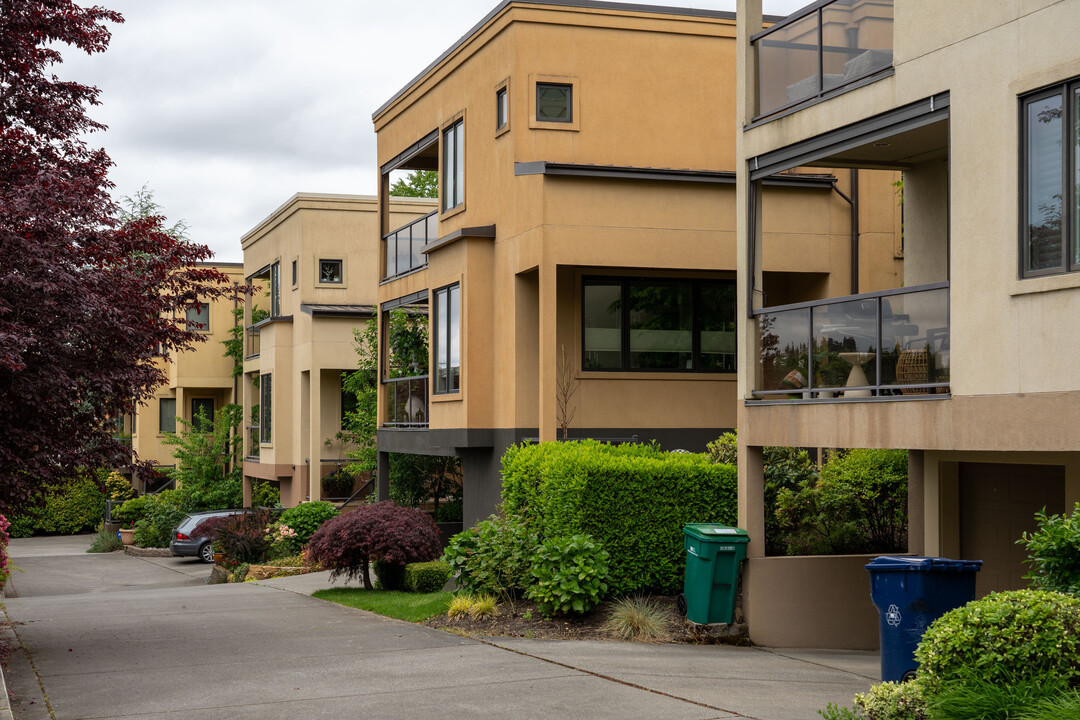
column 624, row 283
column 443, row 340
column 569, row 87
column 1069, row 260
column 195, row 403
column 452, row 184
column 189, row 322
column 275, row 289
column 162, row 414
column 266, row 396
column 502, row 108
column 341, row 272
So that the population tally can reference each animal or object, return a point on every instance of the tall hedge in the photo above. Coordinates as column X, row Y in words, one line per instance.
column 632, row 499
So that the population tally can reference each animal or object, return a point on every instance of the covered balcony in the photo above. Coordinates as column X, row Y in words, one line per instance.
column 401, row 246
column 821, row 50
column 404, row 363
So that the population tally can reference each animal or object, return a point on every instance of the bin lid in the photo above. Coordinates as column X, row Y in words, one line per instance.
column 892, row 563
column 712, row 531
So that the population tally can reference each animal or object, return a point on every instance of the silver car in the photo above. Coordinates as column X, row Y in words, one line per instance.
column 184, row 543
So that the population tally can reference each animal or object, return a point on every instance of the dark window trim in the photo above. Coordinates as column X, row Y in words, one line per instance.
column 266, row 408
column 449, row 186
column 624, row 282
column 501, row 99
column 341, row 271
column 569, row 102
column 410, row 152
column 188, row 324
column 442, row 344
column 161, row 417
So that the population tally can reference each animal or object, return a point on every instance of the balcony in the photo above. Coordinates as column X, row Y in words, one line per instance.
column 890, row 344
column 252, row 443
column 407, row 402
column 822, row 49
column 403, row 245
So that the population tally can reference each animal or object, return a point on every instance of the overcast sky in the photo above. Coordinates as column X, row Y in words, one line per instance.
column 226, row 108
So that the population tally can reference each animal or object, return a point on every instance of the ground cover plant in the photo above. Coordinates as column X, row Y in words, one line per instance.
column 413, row 607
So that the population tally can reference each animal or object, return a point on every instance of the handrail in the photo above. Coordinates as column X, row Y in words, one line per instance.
column 850, row 298
column 352, row 497
column 413, row 258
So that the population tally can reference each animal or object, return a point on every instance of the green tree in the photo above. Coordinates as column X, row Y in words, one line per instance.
column 360, row 425
column 208, row 472
column 418, row 183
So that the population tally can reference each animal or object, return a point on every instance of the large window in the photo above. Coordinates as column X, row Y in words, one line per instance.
column 446, row 340
column 658, row 324
column 265, row 408
column 202, row 407
column 167, row 415
column 1050, row 231
column 198, row 318
column 453, row 166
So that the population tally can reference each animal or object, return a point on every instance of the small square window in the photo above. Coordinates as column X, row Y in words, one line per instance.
column 554, row 102
column 330, row 271
column 501, row 108
column 198, row 317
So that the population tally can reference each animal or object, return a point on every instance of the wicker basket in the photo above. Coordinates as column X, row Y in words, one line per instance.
column 912, row 368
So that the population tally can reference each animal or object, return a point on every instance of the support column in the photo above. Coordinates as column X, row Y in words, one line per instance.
column 311, row 441
column 383, row 480
column 548, row 352
column 751, row 490
column 916, row 498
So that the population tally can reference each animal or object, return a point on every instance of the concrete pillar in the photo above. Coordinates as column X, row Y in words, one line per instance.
column 311, row 441
column 383, row 480
column 548, row 352
column 751, row 489
column 916, row 504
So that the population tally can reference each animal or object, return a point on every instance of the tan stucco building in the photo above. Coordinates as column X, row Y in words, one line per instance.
column 969, row 362
column 586, row 228
column 314, row 263
column 199, row 379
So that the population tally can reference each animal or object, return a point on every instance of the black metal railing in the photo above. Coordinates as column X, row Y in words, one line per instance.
column 824, row 47
column 883, row 344
column 407, row 401
column 403, row 245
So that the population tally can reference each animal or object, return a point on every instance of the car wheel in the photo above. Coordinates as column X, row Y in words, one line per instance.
column 206, row 552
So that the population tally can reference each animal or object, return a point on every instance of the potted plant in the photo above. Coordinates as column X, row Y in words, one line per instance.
column 127, row 533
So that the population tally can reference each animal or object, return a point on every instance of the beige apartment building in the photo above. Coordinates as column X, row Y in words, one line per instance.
column 586, row 232
column 968, row 361
column 313, row 262
column 200, row 380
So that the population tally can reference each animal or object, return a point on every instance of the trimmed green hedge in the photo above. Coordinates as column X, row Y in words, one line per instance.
column 74, row 506
column 426, row 577
column 632, row 499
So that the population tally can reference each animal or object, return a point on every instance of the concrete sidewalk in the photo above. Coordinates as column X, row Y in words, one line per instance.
column 268, row 650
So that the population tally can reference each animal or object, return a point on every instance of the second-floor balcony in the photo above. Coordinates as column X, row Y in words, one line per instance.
column 820, row 49
column 407, row 402
column 403, row 245
column 889, row 344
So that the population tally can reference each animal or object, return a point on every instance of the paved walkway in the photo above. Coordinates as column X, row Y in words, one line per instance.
column 110, row 637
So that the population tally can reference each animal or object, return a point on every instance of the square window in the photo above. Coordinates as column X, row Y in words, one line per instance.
column 554, row 102
column 501, row 108
column 330, row 271
column 198, row 317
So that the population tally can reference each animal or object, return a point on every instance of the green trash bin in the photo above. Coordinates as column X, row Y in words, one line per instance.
column 713, row 556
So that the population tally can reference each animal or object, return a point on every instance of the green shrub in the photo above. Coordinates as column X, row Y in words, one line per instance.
column 132, row 511
column 892, row 701
column 162, row 512
column 389, row 576
column 1004, row 637
column 105, row 542
column 631, row 499
column 972, row 696
column 857, row 505
column 492, row 557
column 25, row 522
column 833, row 711
column 426, row 577
column 308, row 517
column 117, row 487
column 1054, row 552
column 1065, row 706
column 338, row 484
column 74, row 506
column 569, row 575
column 265, row 494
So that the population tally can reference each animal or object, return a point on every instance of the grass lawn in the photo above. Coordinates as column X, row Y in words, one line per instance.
column 414, row 607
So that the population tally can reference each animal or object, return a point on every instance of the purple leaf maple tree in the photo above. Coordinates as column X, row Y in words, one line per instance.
column 87, row 303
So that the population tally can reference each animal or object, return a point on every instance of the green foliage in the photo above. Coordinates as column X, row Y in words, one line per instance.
column 418, row 183
column 891, row 701
column 569, row 575
column 857, row 505
column 117, row 487
column 240, row 572
column 234, row 345
column 308, row 517
column 1065, row 706
column 71, row 507
column 105, row 542
column 493, row 557
column 1005, row 637
column 24, row 523
column 412, row 607
column 475, row 606
column 265, row 494
column 971, row 696
column 426, row 577
column 131, row 511
column 448, row 512
column 631, row 499
column 639, row 618
column 284, row 541
column 416, row 479
column 359, row 425
column 833, row 711
column 1054, row 552
column 389, row 576
column 784, row 468
column 161, row 513
column 209, row 471
column 338, row 484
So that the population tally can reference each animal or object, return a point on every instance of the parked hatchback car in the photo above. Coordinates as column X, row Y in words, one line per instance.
column 185, row 543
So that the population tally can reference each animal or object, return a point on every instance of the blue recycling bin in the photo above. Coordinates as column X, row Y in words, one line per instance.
column 910, row 593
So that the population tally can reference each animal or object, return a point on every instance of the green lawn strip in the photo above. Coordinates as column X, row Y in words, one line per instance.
column 414, row 607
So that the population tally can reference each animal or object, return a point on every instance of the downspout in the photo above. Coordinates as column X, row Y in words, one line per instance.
column 853, row 201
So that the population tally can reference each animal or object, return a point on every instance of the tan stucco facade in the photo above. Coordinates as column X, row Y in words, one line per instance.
column 1012, row 399
column 637, row 184
column 305, row 335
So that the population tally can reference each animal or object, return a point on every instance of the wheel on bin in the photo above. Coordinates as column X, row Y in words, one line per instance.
column 680, row 604
column 909, row 675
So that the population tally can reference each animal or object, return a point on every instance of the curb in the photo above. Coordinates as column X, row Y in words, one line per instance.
column 147, row 552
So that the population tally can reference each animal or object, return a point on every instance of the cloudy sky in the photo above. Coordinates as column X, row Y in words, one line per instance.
column 226, row 108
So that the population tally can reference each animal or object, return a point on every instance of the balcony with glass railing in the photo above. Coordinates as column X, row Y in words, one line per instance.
column 403, row 245
column 821, row 49
column 890, row 344
column 406, row 402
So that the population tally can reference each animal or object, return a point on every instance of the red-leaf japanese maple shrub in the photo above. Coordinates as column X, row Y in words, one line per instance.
column 242, row 538
column 384, row 531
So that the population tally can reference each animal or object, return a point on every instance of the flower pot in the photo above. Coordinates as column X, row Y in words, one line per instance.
column 127, row 536
column 218, row 557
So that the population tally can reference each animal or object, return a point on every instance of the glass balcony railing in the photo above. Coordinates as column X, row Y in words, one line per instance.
column 891, row 343
column 252, row 442
column 404, row 244
column 407, row 401
column 832, row 45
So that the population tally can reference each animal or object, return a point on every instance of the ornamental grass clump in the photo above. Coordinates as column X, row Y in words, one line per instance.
column 639, row 618
column 384, row 531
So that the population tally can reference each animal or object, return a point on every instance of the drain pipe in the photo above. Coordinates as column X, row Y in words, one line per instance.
column 853, row 201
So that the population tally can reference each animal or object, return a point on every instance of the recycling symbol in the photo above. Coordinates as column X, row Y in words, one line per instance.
column 892, row 615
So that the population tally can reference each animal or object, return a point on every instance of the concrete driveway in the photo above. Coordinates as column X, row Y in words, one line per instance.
column 114, row 636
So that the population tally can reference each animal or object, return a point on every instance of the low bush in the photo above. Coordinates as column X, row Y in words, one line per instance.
column 338, row 484
column 105, row 542
column 639, row 618
column 308, row 517
column 75, row 506
column 426, row 577
column 631, row 499
column 283, row 540
column 132, row 511
column 383, row 531
column 389, row 576
column 892, row 701
column 1005, row 637
column 974, row 697
column 265, row 494
column 1054, row 552
column 242, row 538
column 493, row 557
column 161, row 513
column 569, row 575
column 117, row 487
